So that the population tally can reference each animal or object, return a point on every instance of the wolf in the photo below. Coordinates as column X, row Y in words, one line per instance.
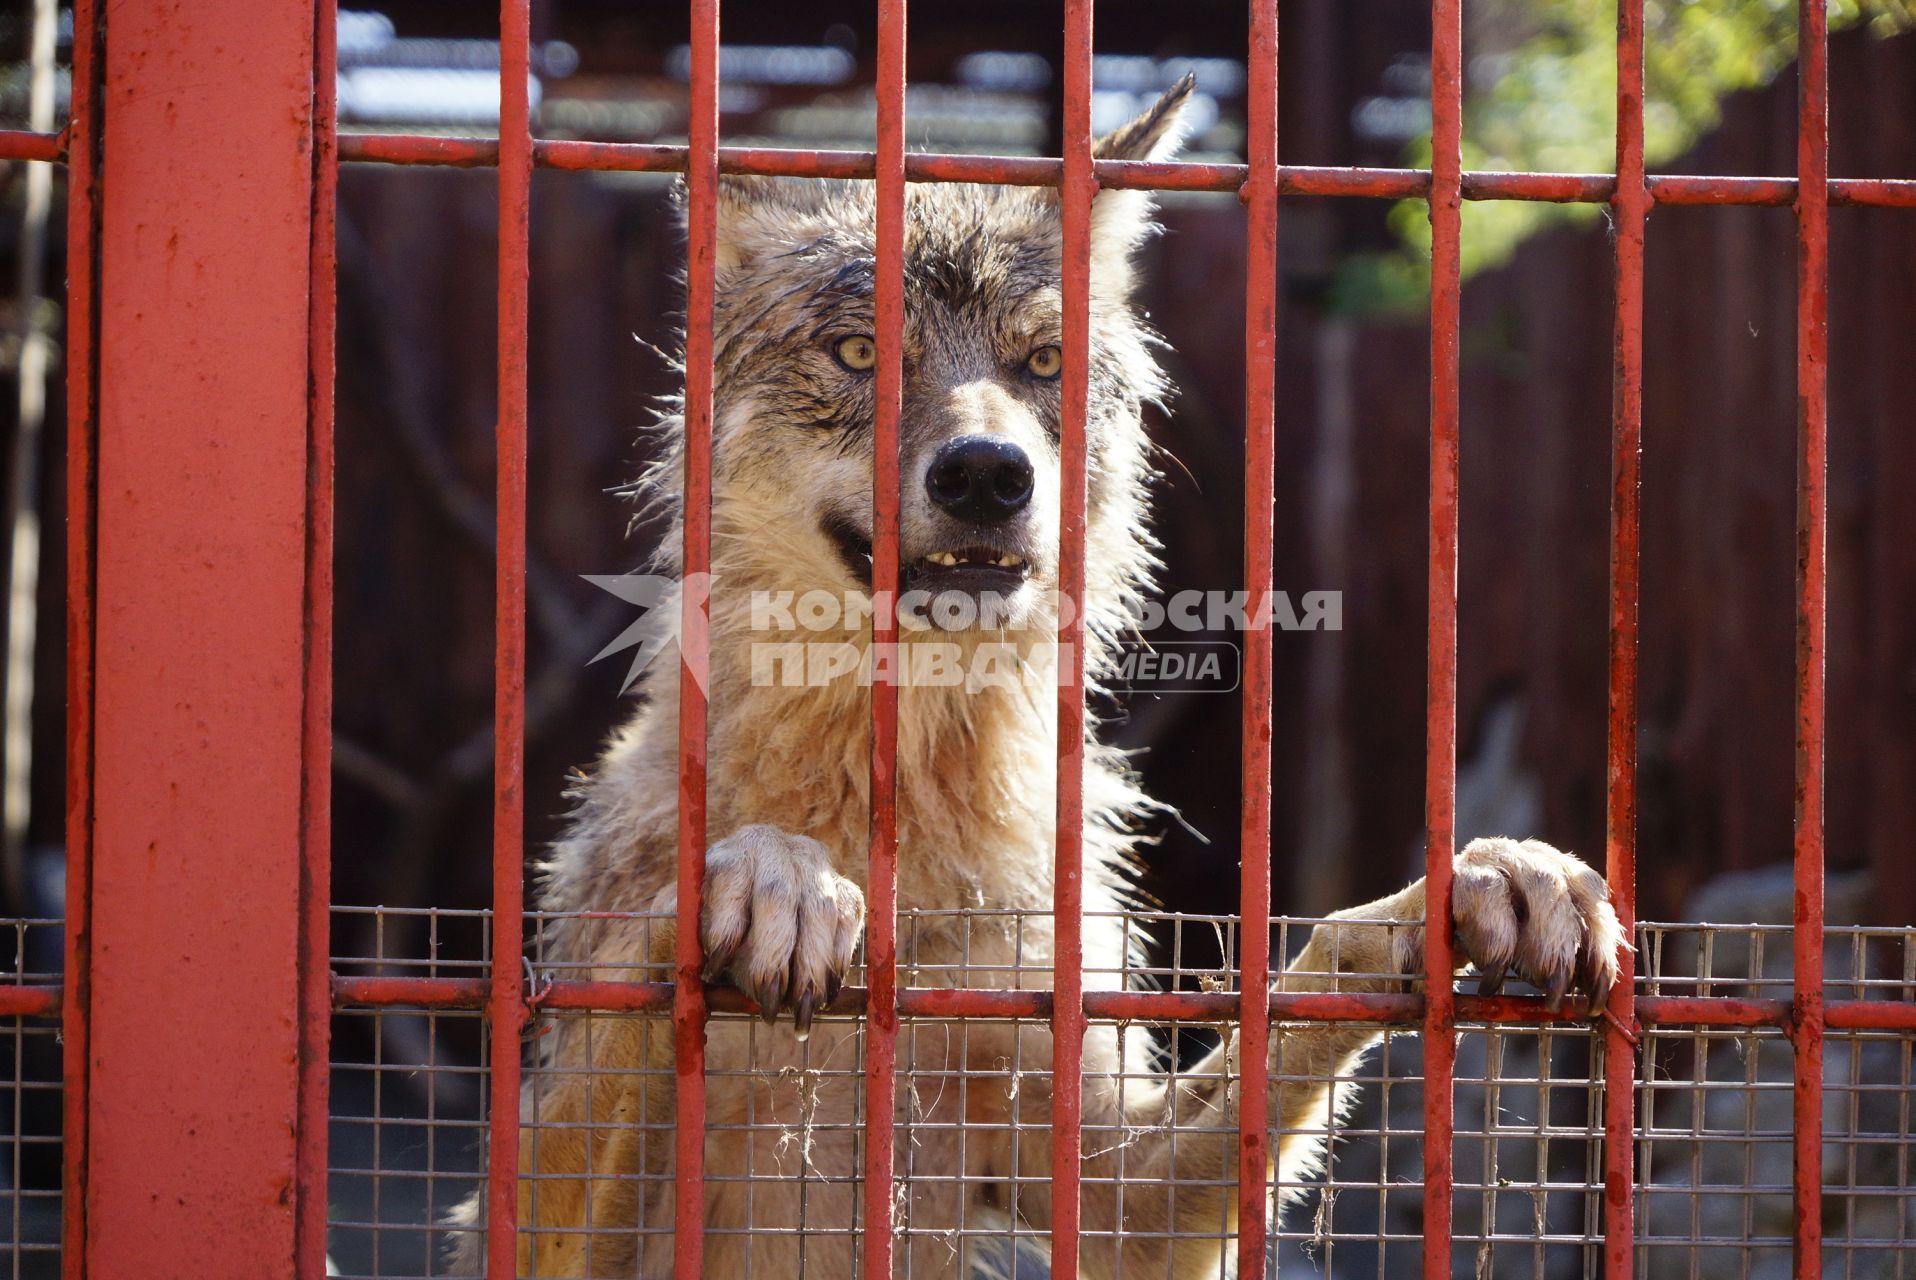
column 788, row 773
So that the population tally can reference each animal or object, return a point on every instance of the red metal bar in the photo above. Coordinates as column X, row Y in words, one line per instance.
column 881, row 887
column 1711, row 190
column 82, row 361
column 1629, row 211
column 316, row 1011
column 24, row 144
column 424, row 993
column 200, row 649
column 1254, row 832
column 1160, row 175
column 1872, row 1015
column 1812, row 520
column 688, row 1003
column 506, row 1007
column 1440, row 749
column 1711, row 1011
column 30, row 1002
column 1885, row 193
column 1079, row 188
column 1143, row 1006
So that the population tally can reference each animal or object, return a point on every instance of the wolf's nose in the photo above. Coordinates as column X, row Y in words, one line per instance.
column 981, row 478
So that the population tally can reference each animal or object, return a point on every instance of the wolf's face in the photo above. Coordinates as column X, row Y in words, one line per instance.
column 796, row 358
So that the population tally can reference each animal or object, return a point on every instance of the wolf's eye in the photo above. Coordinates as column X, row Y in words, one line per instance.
column 1045, row 362
column 857, row 353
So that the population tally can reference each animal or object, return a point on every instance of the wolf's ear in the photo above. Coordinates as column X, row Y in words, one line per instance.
column 1121, row 220
column 1153, row 135
column 756, row 216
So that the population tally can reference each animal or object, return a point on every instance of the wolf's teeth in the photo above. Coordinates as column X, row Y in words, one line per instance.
column 942, row 557
column 1009, row 561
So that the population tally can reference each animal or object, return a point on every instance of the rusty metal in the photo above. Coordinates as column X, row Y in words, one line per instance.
column 505, row 1004
column 82, row 351
column 316, row 747
column 25, row 144
column 1358, row 181
column 1812, row 537
column 1702, row 1097
column 1714, row 1093
column 143, row 618
column 1630, row 209
column 1440, row 732
column 29, row 1001
column 1142, row 1006
column 881, row 883
column 1079, row 187
column 689, row 1005
column 199, row 640
column 1260, row 466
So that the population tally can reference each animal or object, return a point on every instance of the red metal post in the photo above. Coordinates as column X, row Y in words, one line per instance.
column 1630, row 209
column 688, row 1005
column 316, row 1005
column 1254, row 837
column 200, row 641
column 82, row 350
column 506, row 1008
column 1812, row 351
column 881, row 887
column 1067, row 1012
column 1440, row 743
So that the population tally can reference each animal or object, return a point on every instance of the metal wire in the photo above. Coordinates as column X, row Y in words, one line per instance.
column 30, row 1100
column 1712, row 1105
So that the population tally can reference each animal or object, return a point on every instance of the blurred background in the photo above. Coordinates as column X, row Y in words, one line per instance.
column 416, row 406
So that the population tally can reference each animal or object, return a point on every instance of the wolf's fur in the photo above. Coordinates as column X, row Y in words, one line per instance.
column 788, row 791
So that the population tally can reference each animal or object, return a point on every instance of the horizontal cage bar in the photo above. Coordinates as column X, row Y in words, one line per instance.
column 1161, row 175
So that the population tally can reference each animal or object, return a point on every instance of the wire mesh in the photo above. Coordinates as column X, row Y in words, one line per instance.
column 409, row 1088
column 786, row 1119
column 30, row 1138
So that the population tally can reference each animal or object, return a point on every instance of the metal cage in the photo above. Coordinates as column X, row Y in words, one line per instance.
column 203, row 156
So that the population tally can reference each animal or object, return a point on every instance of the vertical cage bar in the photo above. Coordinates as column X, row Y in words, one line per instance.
column 688, row 999
column 1625, row 487
column 1254, row 842
column 505, row 1007
column 881, row 946
column 195, row 910
column 1629, row 211
column 1080, row 187
column 316, row 995
column 82, row 352
column 1812, row 517
column 1440, row 744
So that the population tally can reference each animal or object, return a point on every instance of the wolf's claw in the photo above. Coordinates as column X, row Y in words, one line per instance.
column 802, row 1015
column 1523, row 907
column 778, row 923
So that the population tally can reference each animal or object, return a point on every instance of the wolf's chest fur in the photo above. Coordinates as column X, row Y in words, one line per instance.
column 975, row 789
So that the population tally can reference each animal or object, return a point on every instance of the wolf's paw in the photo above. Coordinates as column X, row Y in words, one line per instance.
column 1521, row 906
column 778, row 922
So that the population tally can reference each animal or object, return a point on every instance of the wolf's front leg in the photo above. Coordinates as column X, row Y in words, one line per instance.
column 778, row 923
column 1516, row 906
